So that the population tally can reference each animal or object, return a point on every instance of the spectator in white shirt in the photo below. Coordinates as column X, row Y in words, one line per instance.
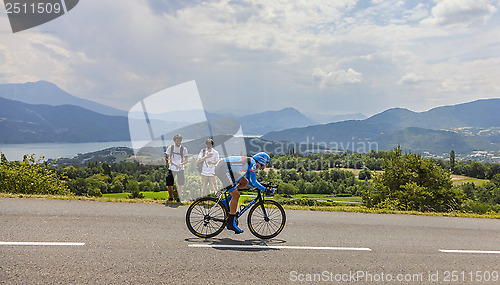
column 209, row 157
column 176, row 156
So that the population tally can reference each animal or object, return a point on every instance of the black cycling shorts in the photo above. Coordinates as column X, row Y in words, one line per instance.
column 179, row 176
column 225, row 175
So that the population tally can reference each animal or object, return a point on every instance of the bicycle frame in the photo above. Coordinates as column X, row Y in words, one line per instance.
column 258, row 199
column 266, row 219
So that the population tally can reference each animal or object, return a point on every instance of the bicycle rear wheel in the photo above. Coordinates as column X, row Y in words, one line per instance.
column 269, row 225
column 206, row 218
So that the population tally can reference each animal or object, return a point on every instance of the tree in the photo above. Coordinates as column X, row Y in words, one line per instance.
column 98, row 184
column 146, row 186
column 365, row 174
column 452, row 160
column 106, row 169
column 410, row 182
column 496, row 179
column 271, row 175
column 116, row 187
column 493, row 170
column 287, row 188
column 3, row 159
column 478, row 170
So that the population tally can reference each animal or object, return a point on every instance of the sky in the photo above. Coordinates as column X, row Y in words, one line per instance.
column 247, row 56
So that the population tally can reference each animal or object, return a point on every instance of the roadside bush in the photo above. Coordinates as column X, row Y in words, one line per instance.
column 94, row 192
column 477, row 207
column 133, row 186
column 30, row 176
column 411, row 183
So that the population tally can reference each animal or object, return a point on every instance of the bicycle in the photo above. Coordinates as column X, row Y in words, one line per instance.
column 207, row 216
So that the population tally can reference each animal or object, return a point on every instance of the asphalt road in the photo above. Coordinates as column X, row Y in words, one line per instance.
column 149, row 244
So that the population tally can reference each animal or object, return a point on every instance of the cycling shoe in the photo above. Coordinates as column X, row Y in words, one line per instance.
column 232, row 224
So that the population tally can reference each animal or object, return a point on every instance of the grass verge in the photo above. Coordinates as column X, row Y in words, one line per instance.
column 339, row 208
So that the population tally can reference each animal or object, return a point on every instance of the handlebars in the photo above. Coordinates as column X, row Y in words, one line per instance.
column 270, row 187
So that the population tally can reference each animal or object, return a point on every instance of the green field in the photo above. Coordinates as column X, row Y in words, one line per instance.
column 326, row 197
column 163, row 195
column 148, row 195
column 459, row 180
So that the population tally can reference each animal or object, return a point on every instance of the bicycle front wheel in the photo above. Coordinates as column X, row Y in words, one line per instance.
column 266, row 219
column 206, row 217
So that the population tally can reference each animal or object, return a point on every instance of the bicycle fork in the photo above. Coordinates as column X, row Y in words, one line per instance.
column 266, row 218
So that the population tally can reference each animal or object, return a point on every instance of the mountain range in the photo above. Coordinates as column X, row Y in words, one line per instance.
column 261, row 123
column 43, row 92
column 41, row 112
column 41, row 123
column 437, row 131
column 29, row 123
column 22, row 128
column 325, row 119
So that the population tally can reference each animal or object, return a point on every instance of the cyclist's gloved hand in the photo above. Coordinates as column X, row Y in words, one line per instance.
column 271, row 190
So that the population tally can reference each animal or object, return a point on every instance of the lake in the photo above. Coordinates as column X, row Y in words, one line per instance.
column 56, row 150
column 70, row 150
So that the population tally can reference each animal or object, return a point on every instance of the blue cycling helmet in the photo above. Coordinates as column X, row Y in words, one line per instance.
column 262, row 158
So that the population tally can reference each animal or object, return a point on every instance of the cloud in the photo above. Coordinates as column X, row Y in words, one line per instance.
column 291, row 28
column 335, row 78
column 419, row 12
column 376, row 53
column 410, row 78
column 36, row 56
column 461, row 12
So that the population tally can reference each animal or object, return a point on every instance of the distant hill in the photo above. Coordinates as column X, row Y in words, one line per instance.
column 43, row 92
column 480, row 113
column 347, row 117
column 261, row 123
column 254, row 124
column 109, row 155
column 218, row 126
column 412, row 130
column 435, row 141
column 253, row 145
column 344, row 132
column 29, row 123
column 155, row 155
column 325, row 119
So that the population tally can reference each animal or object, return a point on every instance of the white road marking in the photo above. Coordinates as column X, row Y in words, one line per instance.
column 43, row 243
column 277, row 247
column 469, row 251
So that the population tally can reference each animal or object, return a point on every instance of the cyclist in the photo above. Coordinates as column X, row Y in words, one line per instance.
column 236, row 172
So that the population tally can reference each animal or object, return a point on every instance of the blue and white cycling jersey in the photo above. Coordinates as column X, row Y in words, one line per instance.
column 243, row 166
